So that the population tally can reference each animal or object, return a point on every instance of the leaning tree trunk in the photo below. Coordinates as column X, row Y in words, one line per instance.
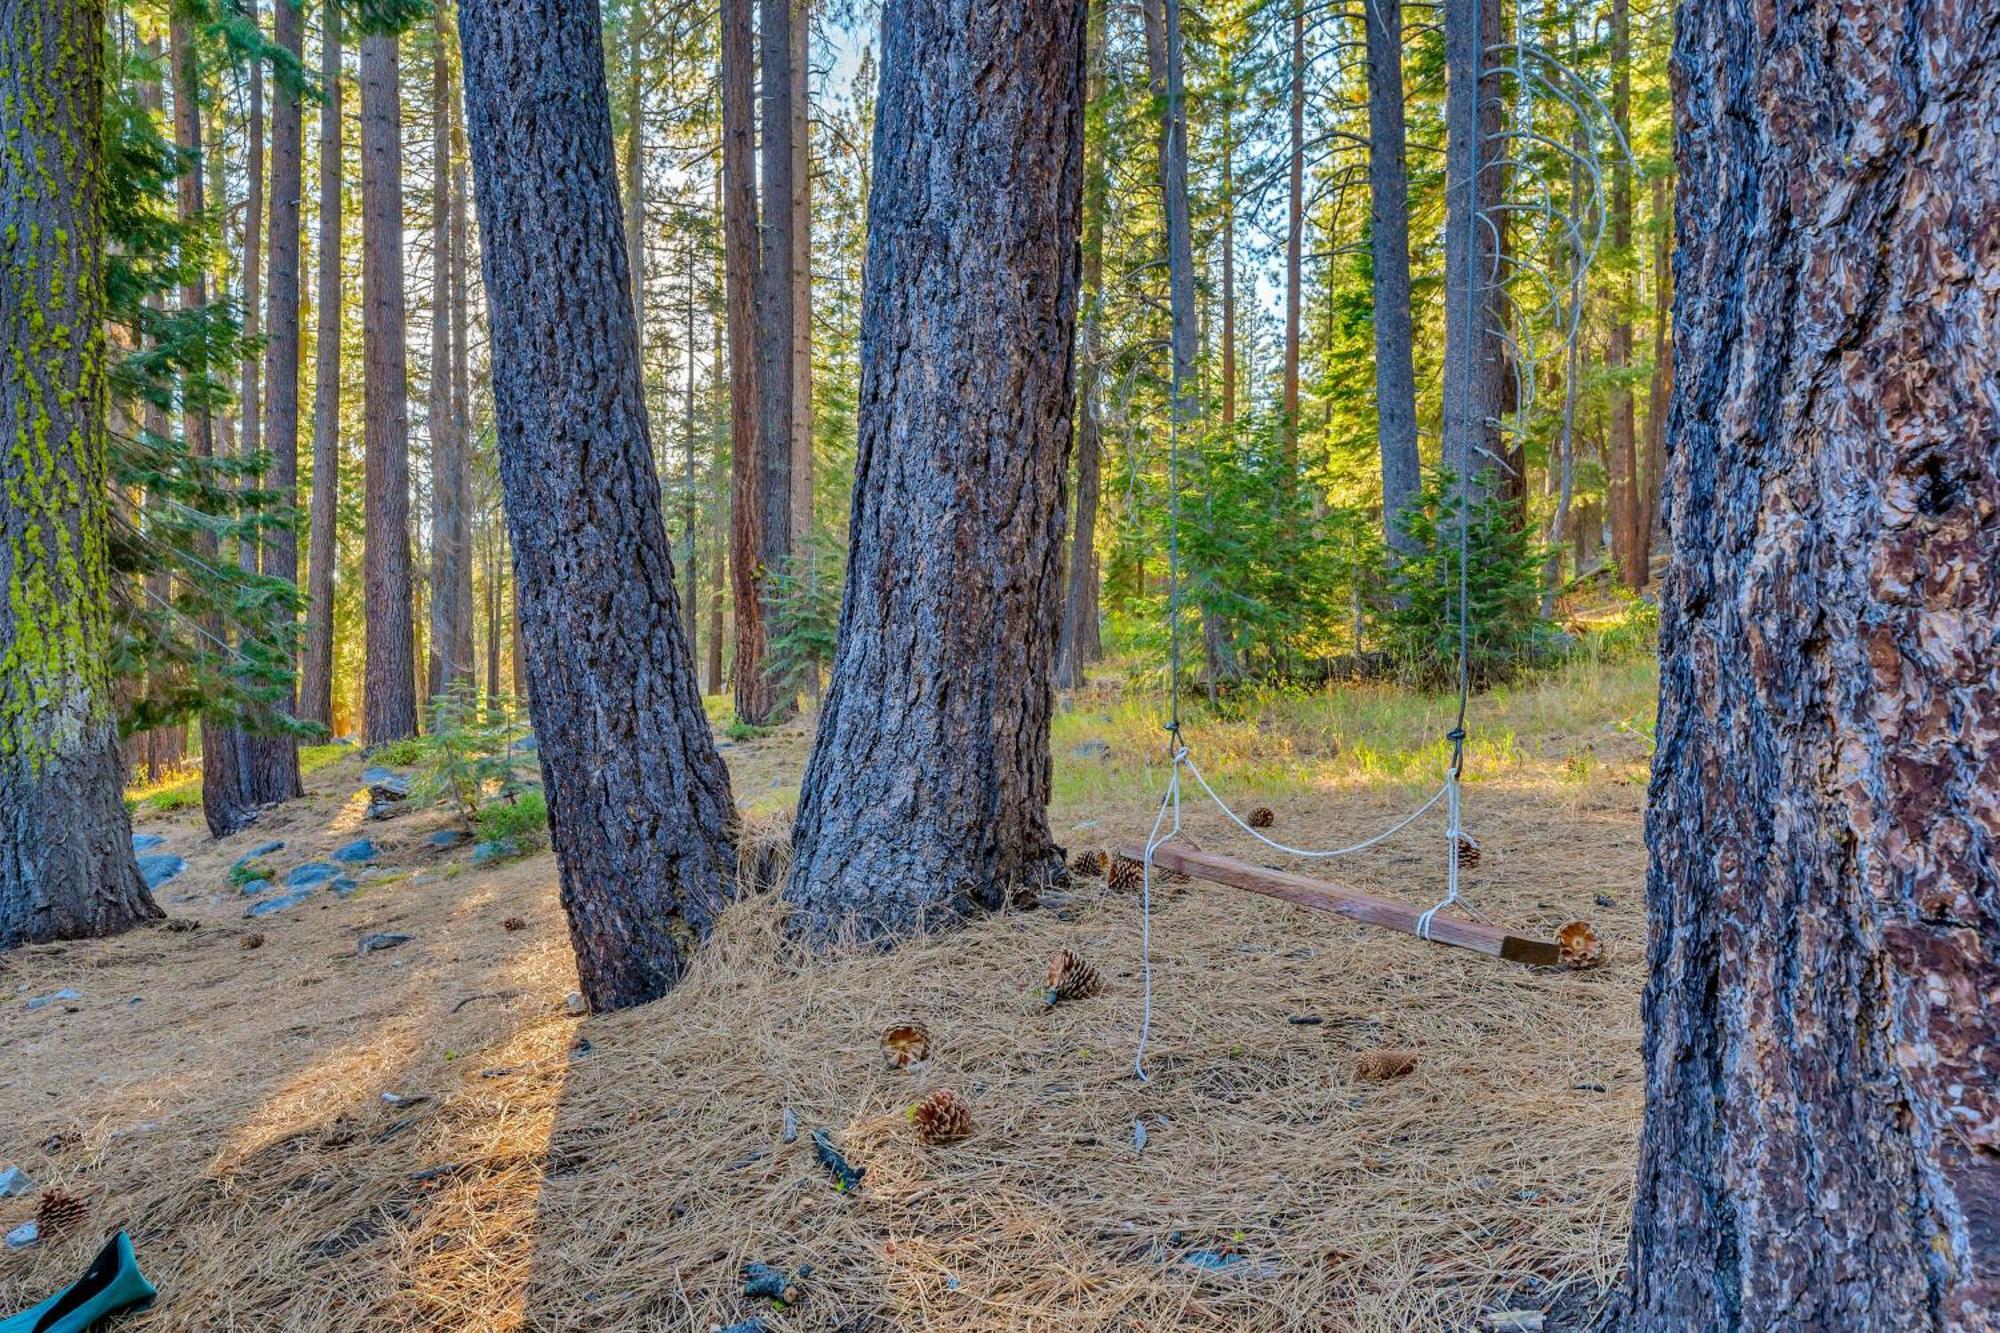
column 272, row 756
column 926, row 795
column 389, row 676
column 1821, row 1147
column 1389, row 241
column 316, row 679
column 66, row 867
column 639, row 805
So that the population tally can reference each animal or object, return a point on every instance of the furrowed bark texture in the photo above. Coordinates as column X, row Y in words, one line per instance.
column 66, row 867
column 926, row 794
column 1474, row 362
column 389, row 674
column 1389, row 237
column 451, row 661
column 1821, row 1147
column 272, row 758
column 316, row 676
column 640, row 812
column 774, row 329
column 1078, row 644
column 739, row 232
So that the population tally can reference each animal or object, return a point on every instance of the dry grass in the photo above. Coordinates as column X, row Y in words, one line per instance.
column 617, row 1172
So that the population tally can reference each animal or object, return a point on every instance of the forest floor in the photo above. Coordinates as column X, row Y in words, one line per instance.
column 424, row 1138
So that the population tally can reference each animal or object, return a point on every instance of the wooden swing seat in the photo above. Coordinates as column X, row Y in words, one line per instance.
column 1366, row 908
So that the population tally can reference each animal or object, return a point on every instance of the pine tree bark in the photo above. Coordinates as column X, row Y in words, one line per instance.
column 1295, row 228
column 1078, row 645
column 774, row 331
column 66, row 865
column 389, row 676
column 1475, row 367
column 1821, row 1147
column 802, row 340
column 1389, row 245
column 1651, row 531
column 248, row 397
column 740, row 249
column 1624, row 481
column 322, row 553
column 640, row 812
column 463, row 652
column 272, row 757
column 451, row 661
column 926, row 795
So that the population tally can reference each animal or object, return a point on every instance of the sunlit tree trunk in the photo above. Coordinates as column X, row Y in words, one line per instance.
column 1389, row 242
column 746, row 475
column 389, row 682
column 316, row 681
column 66, row 866
column 1474, row 359
column 937, row 806
column 1625, row 485
column 774, row 331
column 451, row 661
column 802, row 340
column 1821, row 1146
column 640, row 813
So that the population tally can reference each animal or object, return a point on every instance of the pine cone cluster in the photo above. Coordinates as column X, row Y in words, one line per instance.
column 1126, row 874
column 1071, row 978
column 942, row 1117
column 1090, row 863
column 1261, row 817
column 906, row 1044
column 58, row 1211
column 1468, row 851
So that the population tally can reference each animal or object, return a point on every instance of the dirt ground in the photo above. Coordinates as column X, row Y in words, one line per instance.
column 302, row 1138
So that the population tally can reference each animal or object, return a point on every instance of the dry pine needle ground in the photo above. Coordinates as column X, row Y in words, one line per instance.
column 547, row 1172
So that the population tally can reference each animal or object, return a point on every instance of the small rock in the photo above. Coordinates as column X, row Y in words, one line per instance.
column 253, row 887
column 376, row 773
column 448, row 837
column 358, row 852
column 1606, row 900
column 62, row 996
column 343, row 885
column 160, row 867
column 499, row 849
column 21, row 1237
column 14, row 1182
column 278, row 904
column 384, row 810
column 309, row 874
column 256, row 852
column 376, row 941
column 572, row 1002
column 146, row 842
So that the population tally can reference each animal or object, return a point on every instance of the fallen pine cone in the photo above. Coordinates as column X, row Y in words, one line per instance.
column 1468, row 851
column 1261, row 817
column 906, row 1044
column 1580, row 946
column 1090, row 863
column 942, row 1117
column 1070, row 978
column 513, row 923
column 254, row 940
column 1380, row 1066
column 1126, row 874
column 58, row 1211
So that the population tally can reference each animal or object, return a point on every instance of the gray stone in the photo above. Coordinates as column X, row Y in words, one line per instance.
column 385, row 809
column 343, row 885
column 311, row 873
column 448, row 837
column 160, row 867
column 21, row 1237
column 377, row 773
column 63, row 996
column 255, row 852
column 14, row 1182
column 575, row 1003
column 497, row 850
column 358, row 852
column 145, row 842
column 379, row 940
column 278, row 904
column 253, row 887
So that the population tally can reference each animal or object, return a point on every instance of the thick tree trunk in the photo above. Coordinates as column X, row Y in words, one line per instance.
column 316, row 685
column 1474, row 361
column 1624, row 482
column 1821, row 1146
column 802, row 343
column 640, row 812
column 389, row 677
column 451, row 661
column 66, row 867
column 746, row 477
column 248, row 399
column 1389, row 241
column 635, row 169
column 774, row 329
column 1078, row 645
column 272, row 757
column 935, row 805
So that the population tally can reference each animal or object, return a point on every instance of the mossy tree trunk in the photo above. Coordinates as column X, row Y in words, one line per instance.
column 66, row 865
column 1821, row 1147
column 640, row 810
column 926, row 795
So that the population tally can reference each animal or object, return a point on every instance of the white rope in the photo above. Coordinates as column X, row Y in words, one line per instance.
column 1154, row 841
column 1311, row 854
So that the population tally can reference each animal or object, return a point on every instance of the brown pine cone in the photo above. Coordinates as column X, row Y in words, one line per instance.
column 1379, row 1066
column 1070, row 978
column 1089, row 863
column 1126, row 874
column 58, row 1211
column 906, row 1044
column 1468, row 851
column 254, row 940
column 1261, row 817
column 942, row 1117
column 1580, row 946
column 513, row 923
